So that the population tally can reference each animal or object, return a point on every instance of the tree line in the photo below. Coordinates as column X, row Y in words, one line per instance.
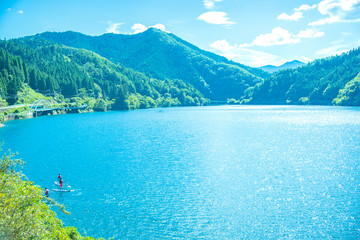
column 46, row 66
column 163, row 55
column 332, row 80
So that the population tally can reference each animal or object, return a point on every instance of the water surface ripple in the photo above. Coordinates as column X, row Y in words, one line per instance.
column 224, row 172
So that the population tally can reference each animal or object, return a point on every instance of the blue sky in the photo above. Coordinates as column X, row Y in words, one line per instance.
column 255, row 32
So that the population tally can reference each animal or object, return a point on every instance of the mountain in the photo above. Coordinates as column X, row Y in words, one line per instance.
column 165, row 56
column 49, row 67
column 328, row 81
column 155, row 68
column 287, row 65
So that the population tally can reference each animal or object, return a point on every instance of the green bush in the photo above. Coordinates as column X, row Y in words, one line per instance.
column 100, row 105
column 350, row 95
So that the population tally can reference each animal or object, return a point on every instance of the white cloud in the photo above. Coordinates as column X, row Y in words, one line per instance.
column 209, row 4
column 294, row 17
column 159, row 26
column 252, row 57
column 215, row 18
column 113, row 27
column 9, row 9
column 297, row 14
column 305, row 59
column 305, row 7
column 257, row 58
column 309, row 33
column 326, row 6
column 331, row 51
column 324, row 21
column 246, row 56
column 21, row 11
column 338, row 11
column 138, row 27
column 222, row 45
column 278, row 36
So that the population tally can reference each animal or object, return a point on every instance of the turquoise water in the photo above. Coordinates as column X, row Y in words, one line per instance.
column 224, row 172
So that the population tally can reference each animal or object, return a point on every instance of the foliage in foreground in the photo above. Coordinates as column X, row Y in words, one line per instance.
column 24, row 213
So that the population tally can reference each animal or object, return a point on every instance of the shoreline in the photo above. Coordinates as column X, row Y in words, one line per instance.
column 2, row 124
column 28, row 117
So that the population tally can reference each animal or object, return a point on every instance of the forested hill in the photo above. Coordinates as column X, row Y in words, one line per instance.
column 333, row 80
column 49, row 67
column 54, row 61
column 165, row 56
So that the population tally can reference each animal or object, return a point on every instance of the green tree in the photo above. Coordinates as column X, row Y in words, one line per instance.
column 100, row 105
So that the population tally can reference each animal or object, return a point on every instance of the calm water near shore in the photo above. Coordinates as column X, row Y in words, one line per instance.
column 220, row 172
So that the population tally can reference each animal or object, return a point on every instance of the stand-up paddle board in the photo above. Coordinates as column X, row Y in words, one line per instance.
column 62, row 190
column 58, row 184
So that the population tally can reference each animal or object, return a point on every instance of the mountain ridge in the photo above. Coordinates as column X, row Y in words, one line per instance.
column 165, row 56
column 160, row 55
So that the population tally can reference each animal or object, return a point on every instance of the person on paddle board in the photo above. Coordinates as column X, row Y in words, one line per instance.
column 46, row 192
column 61, row 183
column 59, row 177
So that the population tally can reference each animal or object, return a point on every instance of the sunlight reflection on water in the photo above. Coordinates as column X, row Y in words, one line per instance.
column 226, row 172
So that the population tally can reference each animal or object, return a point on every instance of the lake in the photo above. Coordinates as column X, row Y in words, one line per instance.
column 219, row 172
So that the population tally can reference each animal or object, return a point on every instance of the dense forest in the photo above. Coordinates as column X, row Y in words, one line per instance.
column 168, row 72
column 165, row 56
column 333, row 80
column 48, row 67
